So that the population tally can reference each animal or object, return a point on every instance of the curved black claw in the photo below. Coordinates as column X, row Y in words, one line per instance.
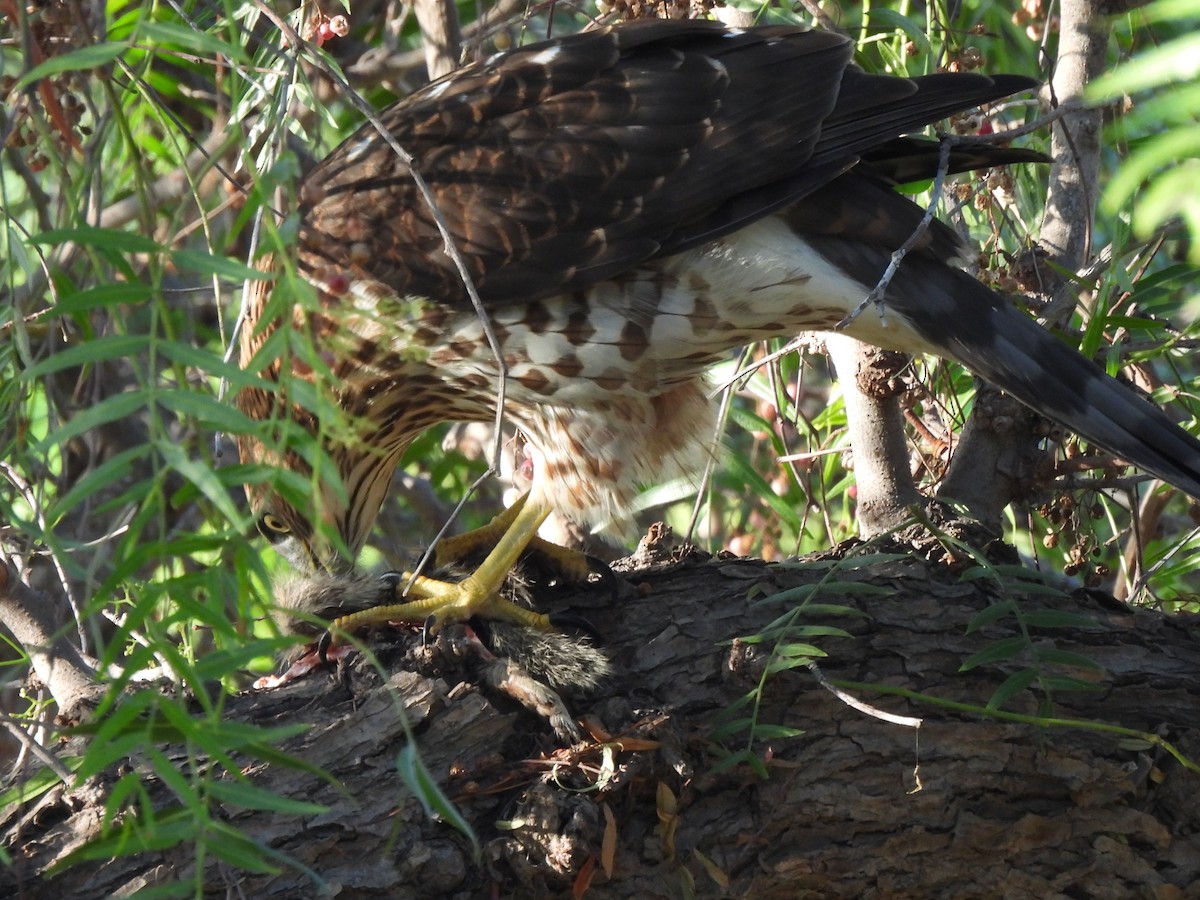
column 392, row 582
column 567, row 620
column 428, row 627
column 323, row 645
column 608, row 578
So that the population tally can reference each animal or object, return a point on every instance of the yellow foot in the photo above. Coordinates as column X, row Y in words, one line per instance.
column 436, row 603
column 569, row 565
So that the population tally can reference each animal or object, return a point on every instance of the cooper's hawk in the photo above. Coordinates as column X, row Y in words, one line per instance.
column 631, row 204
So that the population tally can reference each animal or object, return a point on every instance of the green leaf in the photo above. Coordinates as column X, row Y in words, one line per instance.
column 92, row 56
column 764, row 492
column 1154, row 155
column 798, row 594
column 785, row 664
column 208, row 411
column 414, row 774
column 256, row 741
column 249, row 796
column 998, row 651
column 748, row 420
column 101, row 238
column 793, row 595
column 110, row 409
column 36, row 784
column 1066, row 658
column 736, row 759
column 203, row 733
column 221, row 266
column 990, row 614
column 103, row 476
column 731, row 728
column 104, row 296
column 1013, row 684
column 235, row 848
column 203, row 477
column 1037, row 589
column 168, row 771
column 200, row 42
column 225, row 662
column 133, row 837
column 1170, row 11
column 1169, row 195
column 167, row 890
column 210, row 364
column 125, row 728
column 763, row 732
column 1067, row 683
column 1135, row 745
column 128, row 785
column 1176, row 61
column 832, row 609
column 101, row 755
column 801, row 651
column 109, row 347
column 881, row 17
column 663, row 494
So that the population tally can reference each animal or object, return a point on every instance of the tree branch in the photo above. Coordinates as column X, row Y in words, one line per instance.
column 37, row 624
column 440, row 34
column 876, row 429
column 1066, row 231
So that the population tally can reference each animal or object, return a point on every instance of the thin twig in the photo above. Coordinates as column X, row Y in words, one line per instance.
column 710, row 465
column 27, row 494
column 795, row 344
column 1003, row 137
column 855, row 703
column 947, row 144
column 877, row 293
column 48, row 759
column 822, row 18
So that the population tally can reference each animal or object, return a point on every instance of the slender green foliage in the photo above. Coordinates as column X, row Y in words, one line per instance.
column 146, row 155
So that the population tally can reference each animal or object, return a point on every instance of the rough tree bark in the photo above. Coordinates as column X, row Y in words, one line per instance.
column 39, row 626
column 856, row 806
column 440, row 34
column 875, row 425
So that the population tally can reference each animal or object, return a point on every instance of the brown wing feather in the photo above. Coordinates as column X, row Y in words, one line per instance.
column 593, row 156
column 555, row 170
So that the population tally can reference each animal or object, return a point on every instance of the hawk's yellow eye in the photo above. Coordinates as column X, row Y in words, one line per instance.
column 273, row 528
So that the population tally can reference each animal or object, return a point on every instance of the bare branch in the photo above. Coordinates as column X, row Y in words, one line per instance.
column 877, row 294
column 440, row 33
column 1074, row 175
column 31, row 616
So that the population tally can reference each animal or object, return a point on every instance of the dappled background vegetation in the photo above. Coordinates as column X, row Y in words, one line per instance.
column 150, row 152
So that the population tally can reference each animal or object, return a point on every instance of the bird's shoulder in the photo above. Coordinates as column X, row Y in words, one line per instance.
column 566, row 162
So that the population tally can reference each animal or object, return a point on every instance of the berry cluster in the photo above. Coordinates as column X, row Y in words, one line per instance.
column 657, row 9
column 1069, row 532
column 47, row 118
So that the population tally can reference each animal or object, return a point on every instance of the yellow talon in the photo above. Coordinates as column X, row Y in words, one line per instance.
column 440, row 602
column 571, row 564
